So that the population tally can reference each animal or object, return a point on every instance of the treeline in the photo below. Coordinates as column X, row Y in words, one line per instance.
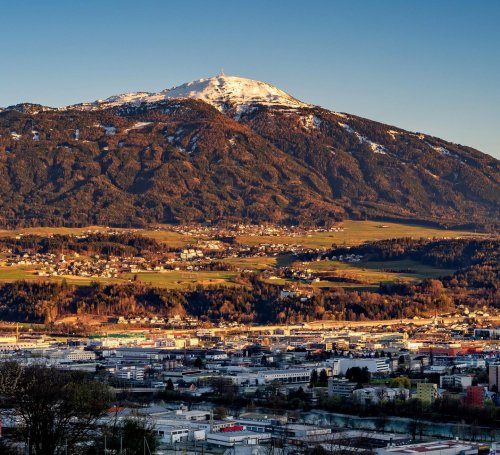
column 45, row 302
column 120, row 244
column 479, row 276
column 447, row 409
column 251, row 301
column 449, row 253
column 339, row 304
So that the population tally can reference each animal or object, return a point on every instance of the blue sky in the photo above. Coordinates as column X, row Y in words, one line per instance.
column 425, row 65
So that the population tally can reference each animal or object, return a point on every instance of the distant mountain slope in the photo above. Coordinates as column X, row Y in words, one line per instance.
column 229, row 148
column 379, row 170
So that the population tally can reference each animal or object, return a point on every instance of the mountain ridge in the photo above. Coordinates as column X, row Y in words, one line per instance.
column 218, row 150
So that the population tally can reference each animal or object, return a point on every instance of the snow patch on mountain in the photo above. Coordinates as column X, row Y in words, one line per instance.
column 434, row 176
column 311, row 121
column 175, row 139
column 223, row 92
column 244, row 110
column 109, row 130
column 347, row 128
column 137, row 126
column 442, row 150
column 193, row 143
column 376, row 148
column 393, row 134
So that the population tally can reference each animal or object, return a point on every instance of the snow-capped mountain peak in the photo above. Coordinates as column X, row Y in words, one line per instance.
column 221, row 91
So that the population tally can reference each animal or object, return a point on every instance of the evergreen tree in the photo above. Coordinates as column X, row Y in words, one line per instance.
column 314, row 378
column 323, row 378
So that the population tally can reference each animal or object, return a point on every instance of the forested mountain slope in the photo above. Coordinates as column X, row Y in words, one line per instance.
column 230, row 149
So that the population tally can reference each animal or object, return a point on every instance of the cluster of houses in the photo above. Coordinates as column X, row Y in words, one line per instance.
column 240, row 229
column 51, row 264
column 208, row 244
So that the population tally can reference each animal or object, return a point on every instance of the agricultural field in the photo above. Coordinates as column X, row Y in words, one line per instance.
column 175, row 279
column 178, row 279
column 173, row 239
column 419, row 271
column 366, row 275
column 16, row 273
column 49, row 231
column 8, row 274
column 260, row 263
column 356, row 232
column 402, row 269
column 356, row 275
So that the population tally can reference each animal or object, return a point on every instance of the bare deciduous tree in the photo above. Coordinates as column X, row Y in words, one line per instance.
column 55, row 408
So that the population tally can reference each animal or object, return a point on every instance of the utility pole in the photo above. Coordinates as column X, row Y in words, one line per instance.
column 146, row 445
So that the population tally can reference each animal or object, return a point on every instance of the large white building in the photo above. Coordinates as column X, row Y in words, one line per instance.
column 175, row 431
column 234, row 438
column 292, row 376
column 71, row 355
column 452, row 447
column 129, row 373
column 216, row 355
column 284, row 376
column 458, row 381
column 374, row 365
column 470, row 361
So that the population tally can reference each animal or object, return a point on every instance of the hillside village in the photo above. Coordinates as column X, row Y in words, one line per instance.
column 192, row 258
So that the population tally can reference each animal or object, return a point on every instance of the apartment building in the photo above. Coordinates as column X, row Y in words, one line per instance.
column 340, row 387
column 426, row 392
column 475, row 395
column 494, row 377
column 455, row 381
